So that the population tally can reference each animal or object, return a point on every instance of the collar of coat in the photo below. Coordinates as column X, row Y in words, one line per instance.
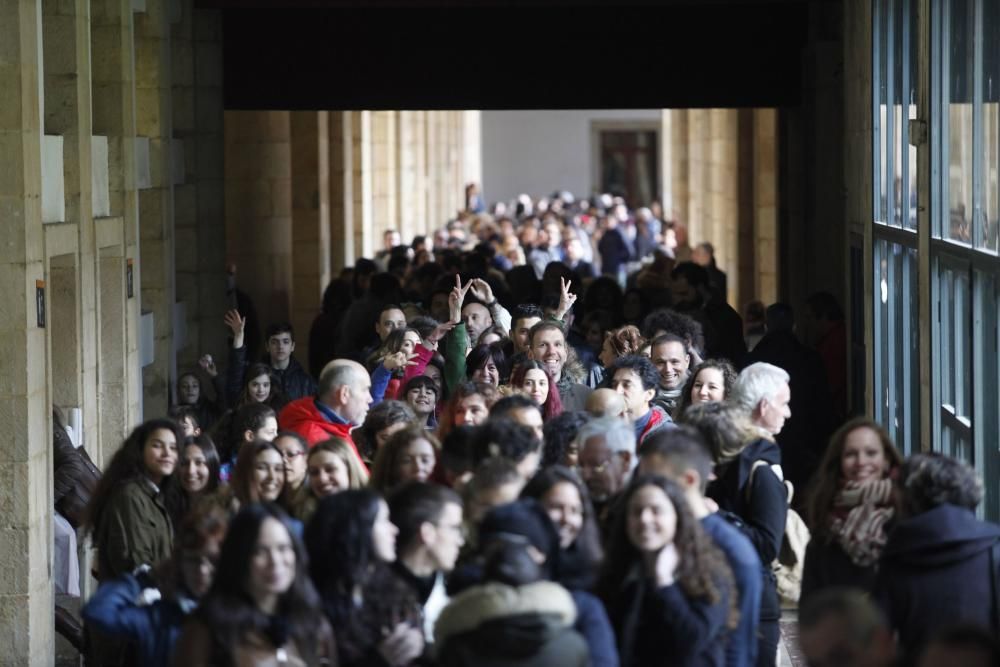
column 492, row 601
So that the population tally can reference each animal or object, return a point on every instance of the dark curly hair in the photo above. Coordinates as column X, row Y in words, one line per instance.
column 275, row 398
column 932, row 479
column 559, row 434
column 670, row 321
column 625, row 340
column 721, row 365
column 702, row 570
column 640, row 365
column 828, row 477
column 381, row 416
column 127, row 464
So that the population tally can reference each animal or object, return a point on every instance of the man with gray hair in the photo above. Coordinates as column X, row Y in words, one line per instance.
column 607, row 458
column 341, row 404
column 762, row 391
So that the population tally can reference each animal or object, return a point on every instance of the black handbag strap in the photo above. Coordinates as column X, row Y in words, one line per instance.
column 995, row 582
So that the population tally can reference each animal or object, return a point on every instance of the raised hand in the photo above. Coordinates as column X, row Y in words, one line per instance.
column 666, row 565
column 207, row 364
column 481, row 290
column 457, row 299
column 402, row 645
column 566, row 298
column 398, row 360
column 434, row 337
column 237, row 325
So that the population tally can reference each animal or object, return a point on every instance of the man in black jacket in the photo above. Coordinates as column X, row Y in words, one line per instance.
column 294, row 381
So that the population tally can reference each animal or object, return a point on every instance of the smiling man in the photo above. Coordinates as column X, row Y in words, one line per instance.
column 672, row 360
column 548, row 346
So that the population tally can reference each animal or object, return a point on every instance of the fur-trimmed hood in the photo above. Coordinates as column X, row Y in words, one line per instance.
column 573, row 369
column 485, row 603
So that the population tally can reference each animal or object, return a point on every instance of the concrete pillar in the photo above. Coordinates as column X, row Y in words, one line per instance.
column 677, row 208
column 199, row 232
column 361, row 174
column 154, row 120
column 341, row 189
column 406, row 157
column 26, row 624
column 385, row 167
column 208, row 148
column 259, row 208
column 723, row 212
column 310, row 230
column 113, row 99
column 765, row 195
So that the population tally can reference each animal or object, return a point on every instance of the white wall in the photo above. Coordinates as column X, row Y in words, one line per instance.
column 538, row 152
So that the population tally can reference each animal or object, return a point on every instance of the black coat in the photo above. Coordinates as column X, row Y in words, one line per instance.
column 827, row 566
column 663, row 627
column 940, row 567
column 805, row 434
column 760, row 512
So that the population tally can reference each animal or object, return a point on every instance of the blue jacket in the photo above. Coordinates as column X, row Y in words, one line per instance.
column 115, row 609
column 743, row 561
column 593, row 625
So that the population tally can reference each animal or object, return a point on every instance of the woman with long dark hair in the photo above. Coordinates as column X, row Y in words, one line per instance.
column 259, row 475
column 374, row 613
column 128, row 516
column 668, row 589
column 262, row 607
column 127, row 513
column 197, row 476
column 421, row 394
column 850, row 508
column 531, row 378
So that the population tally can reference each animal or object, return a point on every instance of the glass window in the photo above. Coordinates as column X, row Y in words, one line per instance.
column 987, row 375
column 954, row 360
column 897, row 370
column 910, row 48
column 990, row 161
column 957, row 146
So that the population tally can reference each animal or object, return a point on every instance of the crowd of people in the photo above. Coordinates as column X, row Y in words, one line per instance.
column 540, row 437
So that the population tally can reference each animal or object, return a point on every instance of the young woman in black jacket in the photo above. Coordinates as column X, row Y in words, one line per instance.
column 668, row 588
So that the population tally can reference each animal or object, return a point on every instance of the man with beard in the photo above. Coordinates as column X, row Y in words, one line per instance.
column 548, row 346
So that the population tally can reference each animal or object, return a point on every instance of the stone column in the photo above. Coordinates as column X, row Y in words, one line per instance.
column 310, row 230
column 341, row 190
column 361, row 174
column 113, row 97
column 154, row 120
column 196, row 92
column 26, row 625
column 385, row 169
column 259, row 208
column 765, row 195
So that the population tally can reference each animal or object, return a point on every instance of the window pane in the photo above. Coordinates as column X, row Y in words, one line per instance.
column 910, row 50
column 991, row 125
column 880, row 16
column 897, row 372
column 958, row 179
column 987, row 367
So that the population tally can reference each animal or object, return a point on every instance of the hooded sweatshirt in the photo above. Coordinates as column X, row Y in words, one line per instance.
column 938, row 567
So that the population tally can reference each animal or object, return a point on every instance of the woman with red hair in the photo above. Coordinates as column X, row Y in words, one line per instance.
column 531, row 378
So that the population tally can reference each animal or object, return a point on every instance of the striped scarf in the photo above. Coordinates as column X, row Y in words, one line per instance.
column 861, row 511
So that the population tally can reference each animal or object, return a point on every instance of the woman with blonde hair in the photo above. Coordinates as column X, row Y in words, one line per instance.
column 331, row 467
column 850, row 508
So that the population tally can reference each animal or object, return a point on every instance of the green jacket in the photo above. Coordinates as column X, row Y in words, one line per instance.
column 134, row 529
column 456, row 345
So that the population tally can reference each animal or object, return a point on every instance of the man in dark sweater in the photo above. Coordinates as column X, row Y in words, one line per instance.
column 429, row 519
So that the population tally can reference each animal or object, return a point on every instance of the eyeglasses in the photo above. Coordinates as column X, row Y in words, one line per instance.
column 291, row 456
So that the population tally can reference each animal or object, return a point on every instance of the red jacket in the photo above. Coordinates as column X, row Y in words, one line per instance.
column 303, row 417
